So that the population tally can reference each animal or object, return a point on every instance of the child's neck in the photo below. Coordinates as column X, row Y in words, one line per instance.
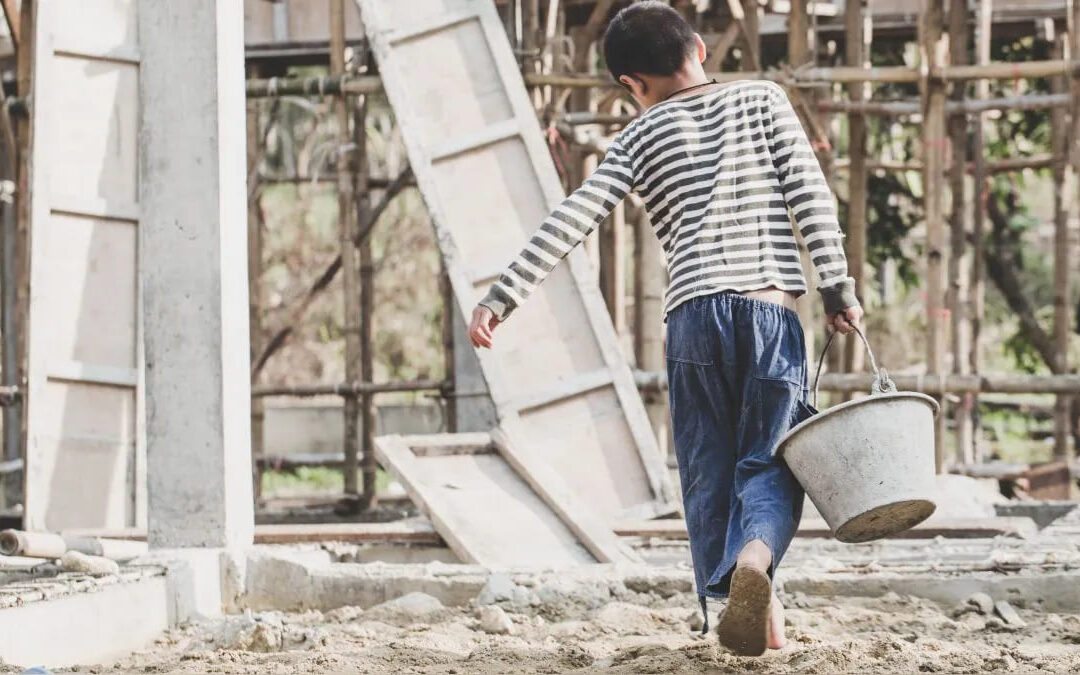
column 681, row 82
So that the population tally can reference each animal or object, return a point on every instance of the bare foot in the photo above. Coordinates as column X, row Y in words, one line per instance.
column 776, row 640
column 755, row 554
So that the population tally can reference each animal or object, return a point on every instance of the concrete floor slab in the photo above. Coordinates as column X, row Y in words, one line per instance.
column 86, row 626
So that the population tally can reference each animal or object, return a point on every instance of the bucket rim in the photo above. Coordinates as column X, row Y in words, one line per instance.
column 847, row 405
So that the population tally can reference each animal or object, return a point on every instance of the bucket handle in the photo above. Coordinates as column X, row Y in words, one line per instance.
column 881, row 384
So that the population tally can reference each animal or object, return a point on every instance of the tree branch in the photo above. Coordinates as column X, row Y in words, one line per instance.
column 282, row 336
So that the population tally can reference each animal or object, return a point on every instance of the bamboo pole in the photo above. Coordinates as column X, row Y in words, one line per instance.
column 932, row 56
column 799, row 57
column 348, row 389
column 901, row 108
column 984, row 22
column 446, row 291
column 334, row 85
column 368, row 465
column 1009, row 165
column 855, row 55
column 255, row 254
column 649, row 282
column 612, row 246
column 24, row 69
column 1063, row 247
column 1059, row 141
column 349, row 253
column 798, row 34
column 959, row 277
column 927, row 384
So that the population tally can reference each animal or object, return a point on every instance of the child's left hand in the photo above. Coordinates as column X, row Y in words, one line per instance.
column 844, row 322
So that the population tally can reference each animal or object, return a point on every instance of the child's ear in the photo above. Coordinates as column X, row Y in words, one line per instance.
column 636, row 86
column 702, row 51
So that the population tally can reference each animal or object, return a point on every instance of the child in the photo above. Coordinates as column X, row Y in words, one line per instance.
column 719, row 167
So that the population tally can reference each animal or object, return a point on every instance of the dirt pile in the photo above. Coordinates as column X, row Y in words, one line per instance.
column 415, row 634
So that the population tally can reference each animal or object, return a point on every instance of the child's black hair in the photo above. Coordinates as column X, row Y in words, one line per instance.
column 648, row 38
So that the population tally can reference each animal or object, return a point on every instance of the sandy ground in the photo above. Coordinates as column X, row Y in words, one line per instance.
column 849, row 635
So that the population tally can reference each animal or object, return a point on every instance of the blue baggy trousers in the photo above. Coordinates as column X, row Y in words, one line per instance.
column 737, row 376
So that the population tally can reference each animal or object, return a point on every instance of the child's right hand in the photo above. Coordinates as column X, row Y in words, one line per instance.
column 482, row 326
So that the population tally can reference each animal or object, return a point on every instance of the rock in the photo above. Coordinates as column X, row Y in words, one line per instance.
column 973, row 621
column 499, row 587
column 981, row 602
column 411, row 606
column 94, row 565
column 346, row 614
column 1009, row 614
column 695, row 621
column 494, row 620
column 265, row 638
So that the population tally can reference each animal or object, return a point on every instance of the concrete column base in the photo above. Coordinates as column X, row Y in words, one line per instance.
column 203, row 582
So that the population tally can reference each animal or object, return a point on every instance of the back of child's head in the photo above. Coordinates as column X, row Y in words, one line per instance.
column 649, row 38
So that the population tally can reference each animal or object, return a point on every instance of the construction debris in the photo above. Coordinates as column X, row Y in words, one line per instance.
column 1009, row 614
column 49, row 545
column 495, row 621
column 94, row 565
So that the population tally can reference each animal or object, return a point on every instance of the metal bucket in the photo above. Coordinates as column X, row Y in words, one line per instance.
column 867, row 464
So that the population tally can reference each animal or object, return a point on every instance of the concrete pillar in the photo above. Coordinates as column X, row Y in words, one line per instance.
column 193, row 267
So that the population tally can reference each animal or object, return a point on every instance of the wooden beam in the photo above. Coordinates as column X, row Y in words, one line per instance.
column 650, row 280
column 349, row 254
column 941, row 384
column 255, row 258
column 718, row 53
column 362, row 193
column 932, row 53
column 958, row 297
column 983, row 21
column 612, row 240
column 950, row 528
column 1064, row 248
column 855, row 55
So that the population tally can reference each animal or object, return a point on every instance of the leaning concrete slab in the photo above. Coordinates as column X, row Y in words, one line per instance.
column 193, row 195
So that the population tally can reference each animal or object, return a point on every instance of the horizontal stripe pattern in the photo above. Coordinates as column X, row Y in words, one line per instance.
column 723, row 175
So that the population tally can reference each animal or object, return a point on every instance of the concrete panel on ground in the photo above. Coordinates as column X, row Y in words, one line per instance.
column 488, row 509
column 557, row 373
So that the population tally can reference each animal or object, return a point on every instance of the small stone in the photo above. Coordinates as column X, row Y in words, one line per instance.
column 973, row 621
column 499, row 587
column 695, row 621
column 1009, row 614
column 981, row 602
column 412, row 605
column 494, row 620
column 265, row 638
column 94, row 565
column 346, row 614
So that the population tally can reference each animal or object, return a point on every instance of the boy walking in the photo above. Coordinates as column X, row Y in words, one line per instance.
column 723, row 170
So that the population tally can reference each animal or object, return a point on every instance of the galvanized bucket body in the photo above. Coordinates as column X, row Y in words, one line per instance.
column 868, row 464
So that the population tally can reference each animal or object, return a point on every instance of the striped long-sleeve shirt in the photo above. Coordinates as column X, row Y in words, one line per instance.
column 722, row 174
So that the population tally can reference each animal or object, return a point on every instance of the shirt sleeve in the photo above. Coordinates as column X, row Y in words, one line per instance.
column 567, row 226
column 811, row 204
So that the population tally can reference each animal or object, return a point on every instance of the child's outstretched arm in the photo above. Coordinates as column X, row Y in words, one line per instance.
column 567, row 226
column 811, row 203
